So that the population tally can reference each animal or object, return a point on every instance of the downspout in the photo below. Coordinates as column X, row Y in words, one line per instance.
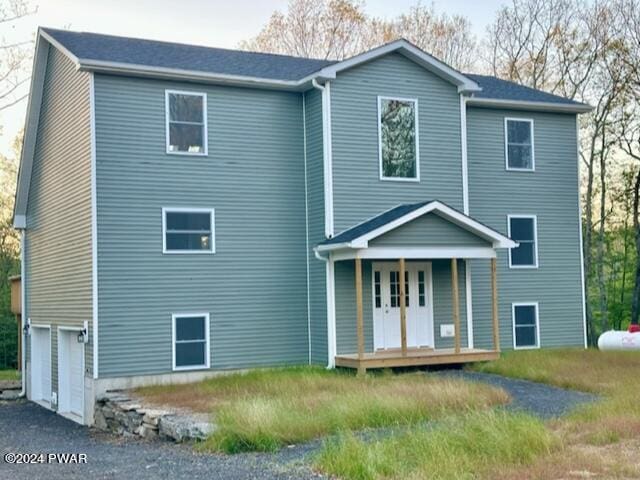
column 331, row 340
column 23, row 311
column 327, row 156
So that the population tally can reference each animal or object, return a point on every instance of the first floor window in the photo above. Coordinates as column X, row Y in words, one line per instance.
column 523, row 229
column 186, row 122
column 525, row 325
column 190, row 341
column 398, row 132
column 519, row 144
column 188, row 230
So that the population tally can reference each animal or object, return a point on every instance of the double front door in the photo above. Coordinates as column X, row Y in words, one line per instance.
column 386, row 304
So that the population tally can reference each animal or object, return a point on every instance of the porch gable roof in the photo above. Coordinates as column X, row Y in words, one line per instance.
column 358, row 236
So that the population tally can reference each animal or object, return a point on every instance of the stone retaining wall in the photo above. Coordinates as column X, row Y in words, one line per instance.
column 118, row 412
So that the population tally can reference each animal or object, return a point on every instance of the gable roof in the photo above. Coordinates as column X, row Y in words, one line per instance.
column 359, row 235
column 98, row 52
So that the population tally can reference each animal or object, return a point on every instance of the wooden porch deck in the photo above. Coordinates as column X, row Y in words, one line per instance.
column 414, row 357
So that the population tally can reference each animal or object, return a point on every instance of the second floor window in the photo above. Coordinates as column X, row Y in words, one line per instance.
column 519, row 144
column 523, row 229
column 186, row 122
column 398, row 139
column 188, row 230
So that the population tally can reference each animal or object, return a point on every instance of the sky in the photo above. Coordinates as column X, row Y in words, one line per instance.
column 215, row 23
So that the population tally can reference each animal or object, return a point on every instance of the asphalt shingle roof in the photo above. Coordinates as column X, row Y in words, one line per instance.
column 374, row 223
column 134, row 51
column 152, row 53
column 496, row 88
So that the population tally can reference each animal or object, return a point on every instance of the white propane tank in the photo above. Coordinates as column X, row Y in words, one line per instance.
column 617, row 340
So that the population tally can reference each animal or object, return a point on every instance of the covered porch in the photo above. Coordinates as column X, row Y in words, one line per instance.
column 384, row 322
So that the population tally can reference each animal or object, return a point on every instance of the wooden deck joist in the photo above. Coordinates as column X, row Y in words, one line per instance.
column 415, row 357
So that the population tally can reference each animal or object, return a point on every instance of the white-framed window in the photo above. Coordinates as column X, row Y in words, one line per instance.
column 518, row 144
column 186, row 122
column 188, row 230
column 524, row 230
column 190, row 336
column 398, row 145
column 526, row 325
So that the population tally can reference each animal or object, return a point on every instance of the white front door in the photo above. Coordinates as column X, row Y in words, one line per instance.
column 386, row 305
column 70, row 374
column 41, row 364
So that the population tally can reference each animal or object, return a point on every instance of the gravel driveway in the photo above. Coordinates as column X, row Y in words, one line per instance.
column 28, row 428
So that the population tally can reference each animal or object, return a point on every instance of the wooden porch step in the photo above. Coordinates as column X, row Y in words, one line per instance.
column 415, row 357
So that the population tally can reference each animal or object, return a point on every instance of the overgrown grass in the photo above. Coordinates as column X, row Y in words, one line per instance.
column 9, row 375
column 462, row 446
column 600, row 438
column 613, row 375
column 263, row 410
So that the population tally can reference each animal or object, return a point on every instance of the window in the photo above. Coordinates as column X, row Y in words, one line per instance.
column 398, row 139
column 186, row 114
column 378, row 295
column 523, row 229
column 421, row 292
column 190, row 341
column 518, row 133
column 188, row 230
column 526, row 329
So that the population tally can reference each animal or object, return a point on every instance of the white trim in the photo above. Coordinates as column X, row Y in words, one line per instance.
column 448, row 213
column 167, row 119
column 306, row 219
column 417, row 139
column 527, row 105
column 583, row 286
column 506, row 145
column 413, row 253
column 68, row 414
column 535, row 240
column 40, row 401
column 463, row 152
column 23, row 312
column 32, row 120
column 468, row 302
column 211, row 212
column 94, row 225
column 207, row 351
column 331, row 313
column 59, row 46
column 412, row 52
column 513, row 324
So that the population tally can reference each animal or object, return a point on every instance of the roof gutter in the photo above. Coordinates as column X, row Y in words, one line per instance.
column 527, row 105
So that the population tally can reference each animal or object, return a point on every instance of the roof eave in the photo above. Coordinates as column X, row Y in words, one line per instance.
column 187, row 75
column 528, row 105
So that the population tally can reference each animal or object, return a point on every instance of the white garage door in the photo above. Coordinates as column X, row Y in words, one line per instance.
column 70, row 375
column 41, row 364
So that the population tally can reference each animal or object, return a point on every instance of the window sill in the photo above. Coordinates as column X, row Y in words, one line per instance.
column 188, row 154
column 512, row 169
column 523, row 267
column 399, row 179
column 190, row 368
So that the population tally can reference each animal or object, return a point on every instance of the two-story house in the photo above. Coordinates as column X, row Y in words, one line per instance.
column 186, row 210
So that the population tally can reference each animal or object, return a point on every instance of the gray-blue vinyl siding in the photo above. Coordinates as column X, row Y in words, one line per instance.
column 346, row 337
column 316, row 234
column 58, row 241
column 551, row 193
column 255, row 285
column 427, row 231
column 359, row 193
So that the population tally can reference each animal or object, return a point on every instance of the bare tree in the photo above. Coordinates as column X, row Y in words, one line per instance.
column 337, row 29
column 326, row 29
column 14, row 55
column 448, row 38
